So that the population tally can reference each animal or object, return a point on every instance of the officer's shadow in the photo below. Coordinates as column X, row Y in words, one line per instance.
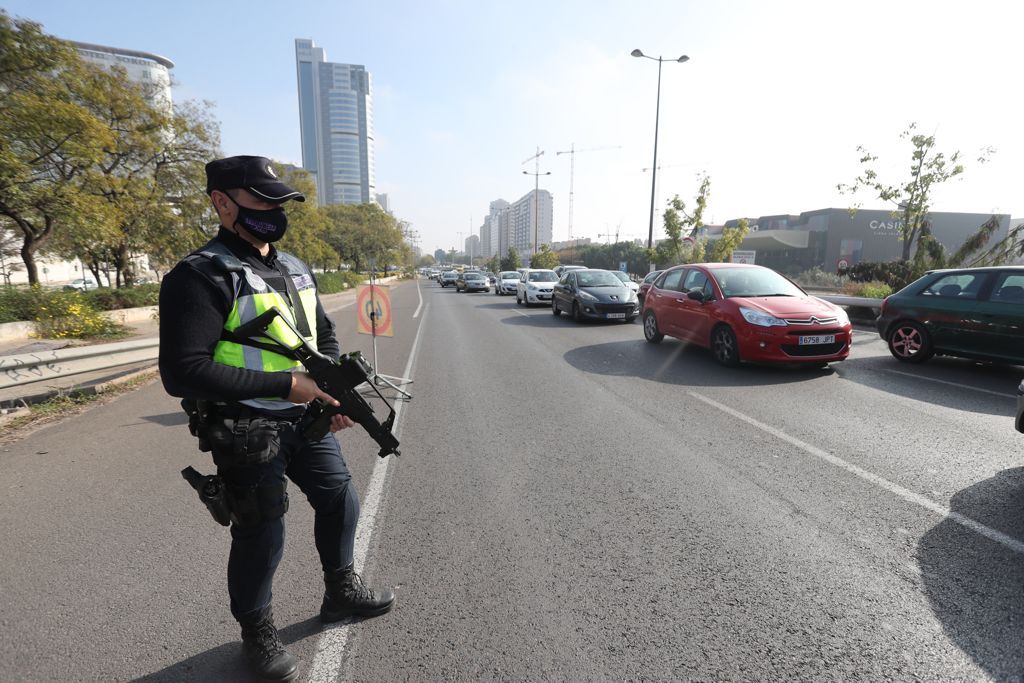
column 226, row 662
column 975, row 583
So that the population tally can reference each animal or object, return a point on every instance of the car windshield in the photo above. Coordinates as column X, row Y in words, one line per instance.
column 542, row 276
column 510, row 276
column 622, row 276
column 474, row 276
column 752, row 282
column 650, row 276
column 597, row 278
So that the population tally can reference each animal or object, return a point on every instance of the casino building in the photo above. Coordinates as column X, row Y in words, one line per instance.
column 829, row 238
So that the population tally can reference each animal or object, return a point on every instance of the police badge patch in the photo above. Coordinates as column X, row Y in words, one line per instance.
column 255, row 281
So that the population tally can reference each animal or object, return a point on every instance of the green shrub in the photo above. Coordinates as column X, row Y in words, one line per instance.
column 869, row 290
column 331, row 283
column 896, row 274
column 816, row 277
column 106, row 299
column 66, row 315
column 20, row 303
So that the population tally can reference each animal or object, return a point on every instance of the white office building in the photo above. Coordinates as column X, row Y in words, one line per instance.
column 336, row 126
column 142, row 67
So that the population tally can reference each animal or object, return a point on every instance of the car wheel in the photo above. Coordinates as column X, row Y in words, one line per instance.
column 554, row 308
column 519, row 302
column 576, row 314
column 725, row 347
column 909, row 342
column 651, row 332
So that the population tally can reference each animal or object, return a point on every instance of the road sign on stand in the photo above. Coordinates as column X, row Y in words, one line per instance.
column 842, row 265
column 622, row 266
column 744, row 256
column 373, row 309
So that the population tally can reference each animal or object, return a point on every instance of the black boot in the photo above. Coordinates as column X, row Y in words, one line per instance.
column 346, row 596
column 264, row 650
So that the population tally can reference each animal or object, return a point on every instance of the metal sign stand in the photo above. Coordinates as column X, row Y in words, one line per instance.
column 378, row 379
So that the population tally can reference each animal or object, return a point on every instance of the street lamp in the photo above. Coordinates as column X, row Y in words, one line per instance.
column 654, row 166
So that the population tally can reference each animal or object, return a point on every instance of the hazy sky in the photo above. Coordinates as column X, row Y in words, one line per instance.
column 772, row 104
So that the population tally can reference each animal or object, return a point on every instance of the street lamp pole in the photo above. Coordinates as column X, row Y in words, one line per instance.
column 654, row 166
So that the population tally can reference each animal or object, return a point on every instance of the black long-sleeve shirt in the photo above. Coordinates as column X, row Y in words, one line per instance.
column 195, row 300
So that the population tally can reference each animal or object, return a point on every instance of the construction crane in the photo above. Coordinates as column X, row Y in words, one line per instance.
column 608, row 234
column 572, row 152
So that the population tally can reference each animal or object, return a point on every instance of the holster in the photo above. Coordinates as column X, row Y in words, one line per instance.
column 235, row 435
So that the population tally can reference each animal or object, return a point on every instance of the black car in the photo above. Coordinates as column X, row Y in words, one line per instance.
column 1020, row 407
column 973, row 313
column 472, row 281
column 595, row 295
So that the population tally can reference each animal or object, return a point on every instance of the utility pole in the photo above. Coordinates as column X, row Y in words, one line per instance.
column 572, row 152
column 536, row 193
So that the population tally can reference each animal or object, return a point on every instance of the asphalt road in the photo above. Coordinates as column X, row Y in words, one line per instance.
column 572, row 503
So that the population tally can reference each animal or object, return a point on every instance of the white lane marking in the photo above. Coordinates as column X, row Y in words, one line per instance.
column 338, row 308
column 420, row 294
column 952, row 384
column 330, row 649
column 906, row 494
column 520, row 313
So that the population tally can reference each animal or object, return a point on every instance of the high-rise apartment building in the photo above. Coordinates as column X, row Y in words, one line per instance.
column 336, row 126
column 490, row 237
column 529, row 223
column 147, row 68
column 472, row 247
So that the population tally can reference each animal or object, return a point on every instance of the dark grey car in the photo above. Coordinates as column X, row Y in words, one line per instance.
column 1020, row 407
column 594, row 295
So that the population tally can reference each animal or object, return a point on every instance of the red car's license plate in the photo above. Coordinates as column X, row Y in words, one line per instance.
column 819, row 339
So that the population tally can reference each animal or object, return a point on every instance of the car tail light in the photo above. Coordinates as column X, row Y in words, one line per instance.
column 884, row 302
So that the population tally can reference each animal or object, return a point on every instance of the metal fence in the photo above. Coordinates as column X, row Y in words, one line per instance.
column 36, row 366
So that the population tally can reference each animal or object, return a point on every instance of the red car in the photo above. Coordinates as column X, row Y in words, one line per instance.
column 745, row 313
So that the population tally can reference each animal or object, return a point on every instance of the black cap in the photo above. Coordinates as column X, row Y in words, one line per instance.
column 255, row 174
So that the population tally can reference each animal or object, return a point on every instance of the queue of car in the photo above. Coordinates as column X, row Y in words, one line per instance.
column 749, row 313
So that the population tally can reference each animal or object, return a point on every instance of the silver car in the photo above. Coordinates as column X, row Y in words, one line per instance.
column 506, row 282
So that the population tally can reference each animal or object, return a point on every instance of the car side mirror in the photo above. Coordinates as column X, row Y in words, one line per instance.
column 696, row 295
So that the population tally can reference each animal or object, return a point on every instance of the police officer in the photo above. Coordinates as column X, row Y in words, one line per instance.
column 249, row 400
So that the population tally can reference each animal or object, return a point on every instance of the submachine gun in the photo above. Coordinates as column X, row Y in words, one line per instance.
column 338, row 379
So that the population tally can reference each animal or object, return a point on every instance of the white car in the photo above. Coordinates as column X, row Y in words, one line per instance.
column 535, row 286
column 634, row 287
column 506, row 282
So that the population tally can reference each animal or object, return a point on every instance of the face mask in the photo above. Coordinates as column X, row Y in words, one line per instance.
column 268, row 225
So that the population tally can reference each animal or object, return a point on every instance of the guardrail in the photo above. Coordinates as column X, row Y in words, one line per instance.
column 853, row 301
column 25, row 368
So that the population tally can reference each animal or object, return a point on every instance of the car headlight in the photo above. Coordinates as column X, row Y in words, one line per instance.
column 761, row 319
column 587, row 296
column 532, row 286
column 632, row 296
column 842, row 318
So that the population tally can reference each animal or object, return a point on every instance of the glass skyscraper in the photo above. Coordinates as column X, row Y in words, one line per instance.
column 336, row 125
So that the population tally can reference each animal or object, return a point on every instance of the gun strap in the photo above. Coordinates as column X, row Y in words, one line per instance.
column 298, row 310
column 227, row 335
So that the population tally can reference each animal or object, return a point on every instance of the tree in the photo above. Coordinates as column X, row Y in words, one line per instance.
column 545, row 258
column 494, row 265
column 50, row 140
column 611, row 256
column 308, row 224
column 426, row 261
column 674, row 250
column 911, row 198
column 731, row 239
column 361, row 233
column 511, row 260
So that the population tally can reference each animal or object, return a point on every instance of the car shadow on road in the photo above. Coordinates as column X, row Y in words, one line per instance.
column 928, row 382
column 673, row 362
column 975, row 584
column 226, row 663
column 561, row 321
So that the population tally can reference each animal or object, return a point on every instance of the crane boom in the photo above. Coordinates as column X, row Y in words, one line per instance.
column 572, row 171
